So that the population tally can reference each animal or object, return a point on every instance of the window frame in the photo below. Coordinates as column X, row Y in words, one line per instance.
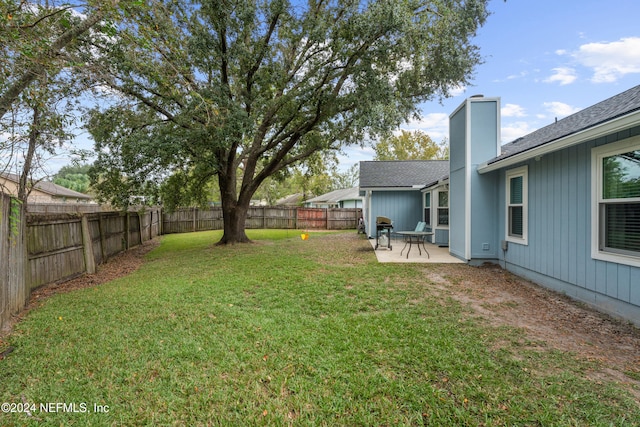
column 599, row 203
column 439, row 208
column 427, row 208
column 522, row 171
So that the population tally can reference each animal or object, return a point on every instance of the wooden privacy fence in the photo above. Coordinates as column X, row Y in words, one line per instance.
column 194, row 219
column 36, row 249
column 61, row 246
column 13, row 288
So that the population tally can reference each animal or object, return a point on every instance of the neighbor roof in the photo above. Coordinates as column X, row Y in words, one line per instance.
column 401, row 173
column 49, row 188
column 602, row 112
column 337, row 196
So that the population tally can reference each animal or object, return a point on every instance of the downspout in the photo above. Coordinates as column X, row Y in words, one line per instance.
column 367, row 199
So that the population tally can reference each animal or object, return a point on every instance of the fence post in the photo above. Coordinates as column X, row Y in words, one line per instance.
column 103, row 238
column 195, row 214
column 127, row 237
column 87, row 244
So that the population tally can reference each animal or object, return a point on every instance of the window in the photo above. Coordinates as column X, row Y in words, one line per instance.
column 517, row 205
column 616, row 222
column 427, row 209
column 443, row 208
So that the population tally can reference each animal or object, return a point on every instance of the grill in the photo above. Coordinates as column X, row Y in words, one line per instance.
column 383, row 231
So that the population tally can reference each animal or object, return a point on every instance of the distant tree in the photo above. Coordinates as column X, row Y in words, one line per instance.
column 347, row 178
column 414, row 145
column 243, row 90
column 38, row 39
column 75, row 177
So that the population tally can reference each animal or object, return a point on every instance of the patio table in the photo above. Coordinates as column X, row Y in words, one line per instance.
column 414, row 237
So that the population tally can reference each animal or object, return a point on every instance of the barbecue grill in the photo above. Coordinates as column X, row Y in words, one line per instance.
column 383, row 229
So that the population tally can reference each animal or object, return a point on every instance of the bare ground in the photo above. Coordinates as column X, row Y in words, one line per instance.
column 547, row 317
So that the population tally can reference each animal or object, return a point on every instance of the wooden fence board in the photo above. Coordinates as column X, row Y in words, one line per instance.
column 14, row 292
column 268, row 217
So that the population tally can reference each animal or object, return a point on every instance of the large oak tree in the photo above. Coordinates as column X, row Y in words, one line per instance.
column 242, row 90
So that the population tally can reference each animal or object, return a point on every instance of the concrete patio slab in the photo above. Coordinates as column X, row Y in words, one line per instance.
column 437, row 255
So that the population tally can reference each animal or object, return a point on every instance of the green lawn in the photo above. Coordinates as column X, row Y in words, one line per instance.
column 287, row 332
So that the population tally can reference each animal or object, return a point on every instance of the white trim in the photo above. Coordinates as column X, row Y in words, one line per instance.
column 597, row 154
column 522, row 171
column 612, row 126
column 414, row 188
column 436, row 224
column 467, row 182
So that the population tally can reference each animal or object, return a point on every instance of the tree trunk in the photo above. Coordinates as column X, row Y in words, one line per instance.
column 233, row 218
column 23, row 188
column 234, row 209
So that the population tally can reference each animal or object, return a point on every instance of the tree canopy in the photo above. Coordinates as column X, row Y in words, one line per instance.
column 407, row 145
column 242, row 90
column 37, row 86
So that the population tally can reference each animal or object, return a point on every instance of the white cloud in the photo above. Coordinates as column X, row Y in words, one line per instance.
column 512, row 110
column 514, row 131
column 457, row 90
column 562, row 75
column 560, row 109
column 436, row 125
column 520, row 75
column 610, row 61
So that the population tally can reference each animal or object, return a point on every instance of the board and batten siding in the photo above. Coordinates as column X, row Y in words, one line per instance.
column 404, row 208
column 558, row 254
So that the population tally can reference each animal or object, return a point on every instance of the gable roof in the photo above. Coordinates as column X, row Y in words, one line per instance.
column 605, row 111
column 49, row 188
column 411, row 174
column 336, row 196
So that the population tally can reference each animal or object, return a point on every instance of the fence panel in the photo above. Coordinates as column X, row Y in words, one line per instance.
column 280, row 217
column 14, row 291
column 343, row 219
column 114, row 239
column 312, row 218
column 209, row 219
column 55, row 248
column 193, row 219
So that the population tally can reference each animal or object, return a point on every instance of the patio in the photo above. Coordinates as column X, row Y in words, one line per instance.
column 437, row 254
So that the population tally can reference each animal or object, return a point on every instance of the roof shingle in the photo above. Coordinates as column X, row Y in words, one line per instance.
column 402, row 173
column 609, row 109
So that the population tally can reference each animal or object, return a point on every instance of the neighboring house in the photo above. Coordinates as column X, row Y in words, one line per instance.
column 291, row 200
column 393, row 189
column 345, row 198
column 42, row 191
column 560, row 206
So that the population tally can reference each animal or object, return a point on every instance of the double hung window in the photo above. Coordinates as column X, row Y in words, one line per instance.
column 443, row 208
column 427, row 209
column 616, row 209
column 517, row 205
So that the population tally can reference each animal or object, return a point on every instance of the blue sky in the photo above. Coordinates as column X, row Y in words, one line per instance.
column 544, row 59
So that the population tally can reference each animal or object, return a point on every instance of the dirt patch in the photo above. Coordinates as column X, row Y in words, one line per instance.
column 118, row 266
column 547, row 317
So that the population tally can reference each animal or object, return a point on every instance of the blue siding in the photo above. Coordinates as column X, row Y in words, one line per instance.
column 457, row 161
column 404, row 208
column 484, row 200
column 559, row 249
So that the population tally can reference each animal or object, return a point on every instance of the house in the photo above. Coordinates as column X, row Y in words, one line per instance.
column 42, row 191
column 406, row 191
column 291, row 200
column 560, row 206
column 344, row 198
